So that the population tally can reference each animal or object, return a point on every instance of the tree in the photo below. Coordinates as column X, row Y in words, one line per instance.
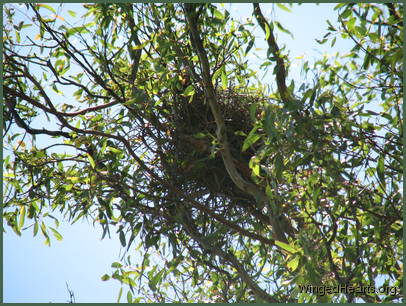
column 242, row 193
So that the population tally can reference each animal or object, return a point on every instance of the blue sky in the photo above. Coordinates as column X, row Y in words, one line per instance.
column 34, row 272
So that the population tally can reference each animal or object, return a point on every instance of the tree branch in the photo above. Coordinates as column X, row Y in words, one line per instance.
column 20, row 122
column 134, row 54
column 274, row 49
column 394, row 13
column 233, row 261
column 32, row 101
column 225, row 151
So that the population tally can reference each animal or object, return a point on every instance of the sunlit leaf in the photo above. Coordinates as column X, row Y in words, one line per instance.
column 81, row 29
column 267, row 31
column 35, row 230
column 250, row 140
column 293, row 263
column 72, row 13
column 91, row 160
column 189, row 91
column 57, row 235
column 48, row 7
column 286, row 247
column 22, row 216
column 218, row 14
column 283, row 7
column 224, row 80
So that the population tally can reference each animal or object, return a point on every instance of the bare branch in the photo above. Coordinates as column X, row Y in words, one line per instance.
column 274, row 49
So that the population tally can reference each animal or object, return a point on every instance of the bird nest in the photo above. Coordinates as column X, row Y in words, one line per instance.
column 192, row 160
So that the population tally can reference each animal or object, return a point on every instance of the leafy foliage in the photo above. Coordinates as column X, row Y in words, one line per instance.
column 153, row 124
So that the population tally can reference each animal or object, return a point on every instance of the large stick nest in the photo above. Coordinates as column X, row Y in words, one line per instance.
column 192, row 160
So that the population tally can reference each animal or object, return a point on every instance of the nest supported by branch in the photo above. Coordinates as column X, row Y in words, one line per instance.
column 192, row 160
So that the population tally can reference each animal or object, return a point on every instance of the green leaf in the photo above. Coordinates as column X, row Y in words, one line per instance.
column 82, row 30
column 267, row 31
column 114, row 150
column 321, row 41
column 281, row 28
column 293, row 263
column 32, row 210
column 269, row 122
column 130, row 102
column 129, row 297
column 283, row 7
column 333, row 42
column 254, row 165
column 255, row 169
column 18, row 37
column 57, row 235
column 91, row 160
column 122, row 238
column 22, row 217
column 397, row 225
column 120, row 293
column 26, row 25
column 218, row 14
column 253, row 111
column 35, row 231
column 351, row 24
column 73, row 179
column 90, row 24
column 72, row 13
column 105, row 277
column 141, row 45
column 47, row 7
column 361, row 30
column 54, row 88
column 156, row 279
column 189, row 91
column 380, row 170
column 116, row 265
column 152, row 241
column 44, row 229
column 224, row 80
column 286, row 247
column 347, row 12
column 279, row 165
column 217, row 73
column 250, row 140
column 249, row 46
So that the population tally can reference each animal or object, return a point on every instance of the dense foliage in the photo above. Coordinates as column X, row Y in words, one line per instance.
column 149, row 120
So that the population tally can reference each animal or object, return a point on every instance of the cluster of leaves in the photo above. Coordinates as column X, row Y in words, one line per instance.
column 325, row 178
